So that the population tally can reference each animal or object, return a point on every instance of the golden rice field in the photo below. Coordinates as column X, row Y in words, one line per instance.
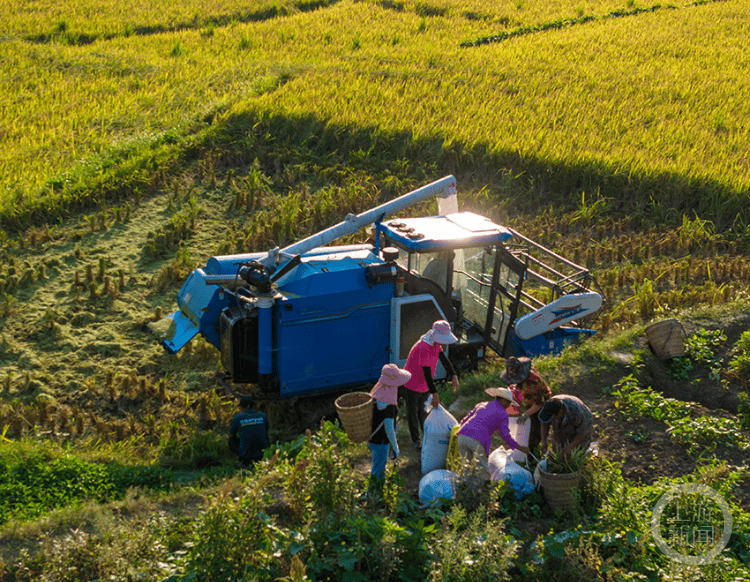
column 92, row 19
column 139, row 139
column 652, row 95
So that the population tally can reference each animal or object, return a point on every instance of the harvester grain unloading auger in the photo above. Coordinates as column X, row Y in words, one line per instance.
column 311, row 318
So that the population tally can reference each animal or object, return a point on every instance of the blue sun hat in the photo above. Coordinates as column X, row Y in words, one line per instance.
column 549, row 410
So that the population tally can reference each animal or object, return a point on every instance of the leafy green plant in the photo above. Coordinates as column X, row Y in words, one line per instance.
column 680, row 368
column 707, row 432
column 234, row 538
column 472, row 547
column 739, row 364
column 506, row 504
column 701, row 344
column 557, row 463
column 701, row 349
column 635, row 402
column 36, row 482
column 364, row 545
column 320, row 479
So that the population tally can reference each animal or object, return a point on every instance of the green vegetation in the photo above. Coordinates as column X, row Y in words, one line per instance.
column 139, row 141
column 635, row 402
column 687, row 426
column 701, row 349
column 740, row 362
column 305, row 511
column 33, row 484
column 557, row 463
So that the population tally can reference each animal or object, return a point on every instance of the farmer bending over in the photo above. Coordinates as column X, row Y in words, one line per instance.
column 572, row 422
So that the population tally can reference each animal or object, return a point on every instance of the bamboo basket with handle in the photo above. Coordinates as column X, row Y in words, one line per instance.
column 667, row 339
column 355, row 413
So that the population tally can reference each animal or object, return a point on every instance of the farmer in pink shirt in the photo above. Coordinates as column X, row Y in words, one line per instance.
column 421, row 363
column 476, row 429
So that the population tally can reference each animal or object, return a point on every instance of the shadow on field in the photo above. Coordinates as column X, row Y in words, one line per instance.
column 61, row 33
column 305, row 151
column 280, row 142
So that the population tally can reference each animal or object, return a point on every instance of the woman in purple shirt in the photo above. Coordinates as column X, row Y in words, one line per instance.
column 476, row 429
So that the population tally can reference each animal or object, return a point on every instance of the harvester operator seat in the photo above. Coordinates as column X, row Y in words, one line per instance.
column 437, row 269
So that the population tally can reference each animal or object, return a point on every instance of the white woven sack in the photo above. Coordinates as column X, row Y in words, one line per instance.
column 520, row 432
column 437, row 485
column 437, row 432
column 518, row 474
column 496, row 463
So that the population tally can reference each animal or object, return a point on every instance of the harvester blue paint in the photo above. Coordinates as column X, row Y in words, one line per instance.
column 265, row 335
column 313, row 318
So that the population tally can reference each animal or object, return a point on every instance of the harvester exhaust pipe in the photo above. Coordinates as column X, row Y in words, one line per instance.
column 443, row 189
column 265, row 335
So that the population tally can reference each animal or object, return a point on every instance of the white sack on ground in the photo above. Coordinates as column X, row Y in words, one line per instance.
column 437, row 485
column 504, row 468
column 496, row 463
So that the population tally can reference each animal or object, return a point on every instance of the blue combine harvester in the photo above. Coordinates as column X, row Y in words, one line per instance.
column 311, row 318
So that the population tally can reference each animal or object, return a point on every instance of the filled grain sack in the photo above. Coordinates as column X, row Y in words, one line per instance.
column 437, row 430
column 504, row 468
column 520, row 433
column 437, row 485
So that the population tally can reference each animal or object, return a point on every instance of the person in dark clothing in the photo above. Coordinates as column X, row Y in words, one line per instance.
column 421, row 364
column 248, row 433
column 572, row 423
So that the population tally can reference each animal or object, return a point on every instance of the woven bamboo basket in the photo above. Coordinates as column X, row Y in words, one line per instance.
column 667, row 338
column 355, row 413
column 559, row 489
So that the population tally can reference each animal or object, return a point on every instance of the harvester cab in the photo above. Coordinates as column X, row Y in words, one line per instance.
column 311, row 318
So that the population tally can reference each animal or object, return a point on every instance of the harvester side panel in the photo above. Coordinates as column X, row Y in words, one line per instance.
column 334, row 341
column 330, row 325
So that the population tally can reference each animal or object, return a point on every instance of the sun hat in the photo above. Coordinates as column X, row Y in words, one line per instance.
column 516, row 370
column 246, row 401
column 386, row 389
column 549, row 410
column 392, row 375
column 502, row 393
column 442, row 334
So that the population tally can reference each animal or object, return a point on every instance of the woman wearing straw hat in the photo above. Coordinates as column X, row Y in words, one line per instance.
column 486, row 418
column 421, row 363
column 530, row 390
column 385, row 394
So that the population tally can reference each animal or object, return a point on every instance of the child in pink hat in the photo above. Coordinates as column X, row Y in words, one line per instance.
column 385, row 394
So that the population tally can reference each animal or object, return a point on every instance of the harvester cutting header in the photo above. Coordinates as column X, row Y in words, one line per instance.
column 311, row 318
